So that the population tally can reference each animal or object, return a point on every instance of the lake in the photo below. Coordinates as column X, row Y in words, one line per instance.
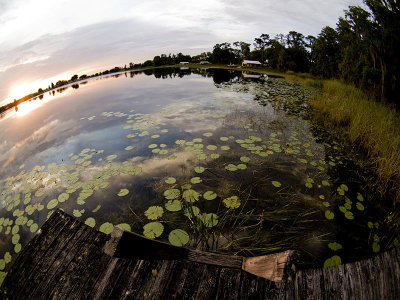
column 211, row 159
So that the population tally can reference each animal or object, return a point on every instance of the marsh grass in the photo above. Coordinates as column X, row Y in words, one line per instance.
column 368, row 124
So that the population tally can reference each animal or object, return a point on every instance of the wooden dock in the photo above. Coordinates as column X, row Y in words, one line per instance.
column 65, row 260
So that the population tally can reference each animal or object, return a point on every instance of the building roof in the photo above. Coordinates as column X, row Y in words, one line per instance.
column 254, row 62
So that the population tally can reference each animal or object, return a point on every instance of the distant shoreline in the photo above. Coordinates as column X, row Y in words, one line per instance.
column 65, row 83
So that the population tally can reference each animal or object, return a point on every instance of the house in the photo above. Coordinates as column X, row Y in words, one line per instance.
column 184, row 63
column 204, row 62
column 251, row 63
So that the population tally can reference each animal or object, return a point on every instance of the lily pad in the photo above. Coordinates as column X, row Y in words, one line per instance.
column 173, row 205
column 231, row 167
column 225, row 148
column 208, row 134
column 106, row 227
column 335, row 246
column 232, row 202
column 170, row 180
column 52, row 203
column 191, row 195
column 333, row 261
column 199, row 170
column 63, row 197
column 124, row 226
column 195, row 180
column 178, row 237
column 276, row 184
column 360, row 206
column 209, row 195
column 212, row 147
column 153, row 229
column 90, row 222
column 329, row 215
column 245, row 159
column 209, row 220
column 123, row 192
column 171, row 194
column 192, row 211
column 154, row 212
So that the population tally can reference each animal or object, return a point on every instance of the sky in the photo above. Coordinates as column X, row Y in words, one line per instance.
column 45, row 40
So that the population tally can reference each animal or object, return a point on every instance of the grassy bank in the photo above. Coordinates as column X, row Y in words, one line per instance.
column 371, row 125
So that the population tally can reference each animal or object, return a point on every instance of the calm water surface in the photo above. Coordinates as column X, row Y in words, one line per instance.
column 207, row 159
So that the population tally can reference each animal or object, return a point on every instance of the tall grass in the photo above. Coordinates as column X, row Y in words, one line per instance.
column 369, row 124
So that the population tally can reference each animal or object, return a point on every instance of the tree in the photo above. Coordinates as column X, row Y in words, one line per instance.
column 75, row 77
column 261, row 43
column 325, row 53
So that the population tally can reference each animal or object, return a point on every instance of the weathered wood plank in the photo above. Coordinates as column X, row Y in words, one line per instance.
column 55, row 262
column 33, row 253
column 66, row 261
column 229, row 284
column 70, row 270
column 90, row 257
column 113, row 271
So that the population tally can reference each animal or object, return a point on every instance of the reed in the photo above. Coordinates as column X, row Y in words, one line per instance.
column 371, row 125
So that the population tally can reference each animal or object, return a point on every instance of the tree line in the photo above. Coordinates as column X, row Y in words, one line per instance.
column 363, row 49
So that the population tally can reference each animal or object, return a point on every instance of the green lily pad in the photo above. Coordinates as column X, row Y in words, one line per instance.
column 152, row 146
column 360, row 206
column 209, row 220
column 195, row 180
column 208, row 134
column 153, row 229
column 335, row 246
column 106, row 227
column 97, row 208
column 112, row 157
column 154, row 212
column 245, row 159
column 349, row 215
column 192, row 211
column 276, row 184
column 360, row 197
column 173, row 205
column 90, row 222
column 52, row 203
column 124, row 226
column 63, row 197
column 225, row 148
column 329, row 215
column 333, row 261
column 241, row 166
column 180, row 142
column 209, row 195
column 128, row 148
column 214, row 155
column 224, row 138
column 171, row 194
column 199, row 170
column 231, row 167
column 232, row 202
column 178, row 237
column 191, row 195
column 123, row 192
column 155, row 136
column 17, row 248
column 212, row 147
column 170, row 180
column 376, row 247
column 34, row 227
column 40, row 192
